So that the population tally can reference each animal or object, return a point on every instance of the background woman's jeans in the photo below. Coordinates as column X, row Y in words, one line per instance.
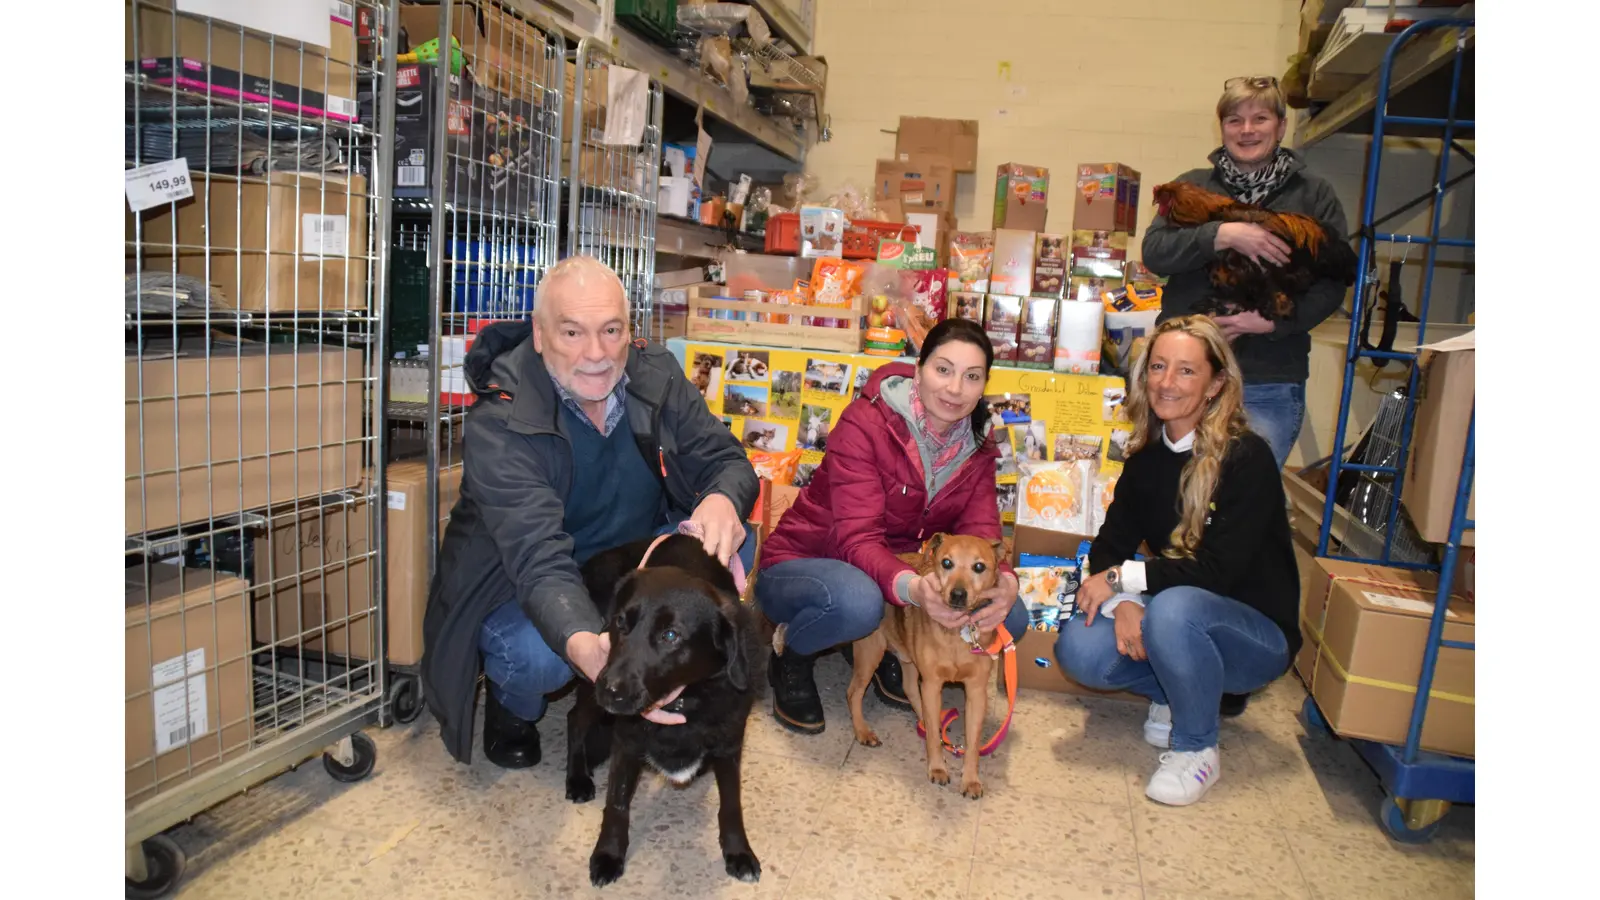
column 1276, row 412
column 827, row 602
column 1199, row 644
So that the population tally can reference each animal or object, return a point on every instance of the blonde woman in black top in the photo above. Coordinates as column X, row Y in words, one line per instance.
column 1214, row 608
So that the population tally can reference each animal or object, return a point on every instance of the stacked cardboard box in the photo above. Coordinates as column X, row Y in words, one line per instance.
column 918, row 186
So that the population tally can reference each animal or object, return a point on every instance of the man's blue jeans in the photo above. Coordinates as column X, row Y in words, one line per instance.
column 1276, row 412
column 827, row 602
column 1199, row 645
column 522, row 669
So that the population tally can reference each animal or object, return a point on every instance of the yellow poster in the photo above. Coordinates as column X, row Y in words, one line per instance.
column 782, row 401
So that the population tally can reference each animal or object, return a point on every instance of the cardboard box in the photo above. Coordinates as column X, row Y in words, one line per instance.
column 1036, row 337
column 1465, row 578
column 1021, row 196
column 1371, row 656
column 1050, row 259
column 232, row 62
column 407, row 502
column 1011, row 271
column 1002, row 321
column 1305, row 558
column 1445, row 397
column 596, row 97
column 952, row 140
column 190, row 692
column 821, row 231
column 919, row 184
column 1099, row 254
column 1036, row 658
column 312, row 582
column 295, row 241
column 1107, row 198
column 217, row 447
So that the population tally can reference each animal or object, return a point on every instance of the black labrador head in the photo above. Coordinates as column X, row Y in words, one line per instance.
column 669, row 629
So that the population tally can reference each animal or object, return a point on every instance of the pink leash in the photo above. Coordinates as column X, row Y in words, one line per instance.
column 735, row 564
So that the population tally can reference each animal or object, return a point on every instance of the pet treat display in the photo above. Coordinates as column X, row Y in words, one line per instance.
column 1050, row 258
column 821, row 231
column 965, row 305
column 1090, row 288
column 1048, row 586
column 1011, row 272
column 1001, row 322
column 835, row 284
column 1055, row 494
column 1035, row 338
column 1101, row 254
column 971, row 254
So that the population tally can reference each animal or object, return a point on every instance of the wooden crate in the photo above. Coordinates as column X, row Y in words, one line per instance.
column 771, row 334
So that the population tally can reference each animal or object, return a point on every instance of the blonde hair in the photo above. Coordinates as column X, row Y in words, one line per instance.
column 1239, row 91
column 1224, row 421
column 584, row 271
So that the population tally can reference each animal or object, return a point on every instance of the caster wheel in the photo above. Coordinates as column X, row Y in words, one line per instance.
column 405, row 699
column 366, row 756
column 1313, row 716
column 1401, row 822
column 163, row 869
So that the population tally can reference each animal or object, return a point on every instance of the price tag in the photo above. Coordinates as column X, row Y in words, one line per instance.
column 159, row 183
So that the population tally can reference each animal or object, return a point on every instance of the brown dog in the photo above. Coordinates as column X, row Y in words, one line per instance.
column 966, row 567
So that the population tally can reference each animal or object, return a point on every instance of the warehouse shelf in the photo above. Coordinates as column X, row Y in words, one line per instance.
column 1410, row 77
column 686, row 237
column 786, row 23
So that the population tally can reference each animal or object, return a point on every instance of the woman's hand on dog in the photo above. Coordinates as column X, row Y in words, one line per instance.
column 1001, row 597
column 925, row 593
column 1129, row 628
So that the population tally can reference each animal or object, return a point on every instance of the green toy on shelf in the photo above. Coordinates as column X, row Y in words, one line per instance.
column 428, row 52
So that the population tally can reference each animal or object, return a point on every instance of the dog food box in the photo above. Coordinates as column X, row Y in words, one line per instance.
column 965, row 305
column 1107, row 198
column 971, row 254
column 821, row 231
column 1035, row 339
column 1091, row 288
column 1050, row 263
column 1056, row 494
column 1102, row 254
column 1011, row 272
column 1000, row 322
column 1020, row 195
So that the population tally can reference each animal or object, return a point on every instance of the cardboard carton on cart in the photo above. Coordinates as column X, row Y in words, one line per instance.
column 1446, row 391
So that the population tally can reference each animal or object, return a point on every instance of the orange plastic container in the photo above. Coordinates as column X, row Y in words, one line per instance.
column 860, row 238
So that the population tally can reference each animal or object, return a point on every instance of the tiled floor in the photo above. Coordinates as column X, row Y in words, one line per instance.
column 1064, row 815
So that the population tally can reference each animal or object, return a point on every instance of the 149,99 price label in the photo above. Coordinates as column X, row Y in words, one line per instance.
column 158, row 183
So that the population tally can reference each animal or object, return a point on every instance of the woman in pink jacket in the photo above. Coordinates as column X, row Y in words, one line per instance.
column 912, row 457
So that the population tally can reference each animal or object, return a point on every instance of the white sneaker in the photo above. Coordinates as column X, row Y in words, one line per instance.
column 1158, row 726
column 1184, row 777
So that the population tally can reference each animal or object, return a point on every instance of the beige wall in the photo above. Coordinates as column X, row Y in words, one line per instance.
column 1060, row 82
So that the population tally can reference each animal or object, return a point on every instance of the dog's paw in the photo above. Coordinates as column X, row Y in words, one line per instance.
column 743, row 866
column 604, row 868
column 940, row 775
column 972, row 790
column 868, row 738
column 580, row 788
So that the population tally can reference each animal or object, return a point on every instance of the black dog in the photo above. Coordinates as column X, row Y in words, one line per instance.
column 678, row 621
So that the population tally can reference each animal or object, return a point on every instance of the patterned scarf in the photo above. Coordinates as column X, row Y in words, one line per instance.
column 947, row 446
column 1253, row 187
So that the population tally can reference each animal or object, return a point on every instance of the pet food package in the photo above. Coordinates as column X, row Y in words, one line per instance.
column 971, row 254
column 1099, row 254
column 1001, row 322
column 1078, row 338
column 1021, row 196
column 1133, row 298
column 1090, row 288
column 965, row 305
column 821, row 231
column 835, row 284
column 775, row 466
column 906, row 254
column 1105, row 490
column 1049, row 265
column 1055, row 495
column 926, row 289
column 1011, row 273
column 1048, row 586
column 1035, row 338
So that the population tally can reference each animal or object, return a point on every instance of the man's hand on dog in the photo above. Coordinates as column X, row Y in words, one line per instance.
column 721, row 530
column 589, row 652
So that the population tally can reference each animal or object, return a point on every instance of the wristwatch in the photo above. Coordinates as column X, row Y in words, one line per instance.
column 1114, row 578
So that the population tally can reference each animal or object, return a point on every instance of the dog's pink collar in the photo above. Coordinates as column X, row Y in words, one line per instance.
column 687, row 527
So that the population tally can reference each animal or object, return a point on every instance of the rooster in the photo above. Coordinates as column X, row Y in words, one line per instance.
column 1239, row 283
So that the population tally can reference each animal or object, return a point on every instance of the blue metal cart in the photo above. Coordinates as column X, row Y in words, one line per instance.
column 1420, row 786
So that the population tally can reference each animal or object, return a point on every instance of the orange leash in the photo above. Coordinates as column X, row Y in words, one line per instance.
column 1006, row 648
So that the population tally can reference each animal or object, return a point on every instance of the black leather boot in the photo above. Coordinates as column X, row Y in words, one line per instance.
column 887, row 682
column 795, row 703
column 508, row 742
column 1233, row 705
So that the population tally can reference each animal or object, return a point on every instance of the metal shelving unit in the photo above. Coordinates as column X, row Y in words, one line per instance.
column 254, row 319
column 1415, row 61
column 1420, row 785
column 786, row 23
